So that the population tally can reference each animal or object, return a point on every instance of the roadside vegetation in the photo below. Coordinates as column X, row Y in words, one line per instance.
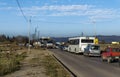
column 10, row 62
column 37, row 59
column 53, row 68
column 10, row 58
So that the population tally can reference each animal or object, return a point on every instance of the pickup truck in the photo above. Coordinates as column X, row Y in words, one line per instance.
column 110, row 54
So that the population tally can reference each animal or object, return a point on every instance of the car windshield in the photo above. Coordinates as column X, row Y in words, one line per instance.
column 94, row 47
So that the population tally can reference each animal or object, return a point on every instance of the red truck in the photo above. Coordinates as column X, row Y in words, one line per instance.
column 110, row 54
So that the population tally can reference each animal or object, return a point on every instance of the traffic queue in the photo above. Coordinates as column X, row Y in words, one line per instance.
column 89, row 46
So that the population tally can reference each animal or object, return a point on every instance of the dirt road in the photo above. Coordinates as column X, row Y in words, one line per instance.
column 31, row 66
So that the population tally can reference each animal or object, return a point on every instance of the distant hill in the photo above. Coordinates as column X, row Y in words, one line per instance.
column 60, row 39
column 107, row 39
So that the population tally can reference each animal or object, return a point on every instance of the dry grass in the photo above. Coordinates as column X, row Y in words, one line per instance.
column 10, row 62
column 53, row 68
column 38, row 63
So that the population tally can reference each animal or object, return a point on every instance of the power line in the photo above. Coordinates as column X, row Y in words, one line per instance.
column 53, row 22
column 29, row 21
column 21, row 10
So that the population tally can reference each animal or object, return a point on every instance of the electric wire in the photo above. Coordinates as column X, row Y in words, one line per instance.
column 21, row 10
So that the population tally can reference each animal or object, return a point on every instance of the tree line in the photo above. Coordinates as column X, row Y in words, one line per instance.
column 17, row 39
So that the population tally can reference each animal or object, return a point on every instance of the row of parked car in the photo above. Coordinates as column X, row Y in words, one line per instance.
column 110, row 54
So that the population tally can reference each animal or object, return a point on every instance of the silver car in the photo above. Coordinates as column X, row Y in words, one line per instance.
column 92, row 50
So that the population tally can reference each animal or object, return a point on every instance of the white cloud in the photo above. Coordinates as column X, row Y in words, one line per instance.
column 7, row 8
column 103, row 14
column 59, row 8
column 89, row 11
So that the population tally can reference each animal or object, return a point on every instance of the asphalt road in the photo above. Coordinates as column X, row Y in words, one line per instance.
column 87, row 66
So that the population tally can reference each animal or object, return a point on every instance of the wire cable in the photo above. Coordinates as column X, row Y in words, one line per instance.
column 53, row 22
column 21, row 10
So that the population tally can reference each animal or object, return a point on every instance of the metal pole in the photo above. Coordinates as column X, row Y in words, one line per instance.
column 29, row 34
column 38, row 35
column 94, row 27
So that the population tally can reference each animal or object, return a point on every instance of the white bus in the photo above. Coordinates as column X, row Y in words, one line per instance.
column 78, row 44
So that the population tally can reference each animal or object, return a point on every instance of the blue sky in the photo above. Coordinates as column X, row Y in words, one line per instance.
column 61, row 17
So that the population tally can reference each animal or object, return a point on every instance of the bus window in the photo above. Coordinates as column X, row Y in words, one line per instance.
column 71, row 42
column 87, row 41
column 74, row 42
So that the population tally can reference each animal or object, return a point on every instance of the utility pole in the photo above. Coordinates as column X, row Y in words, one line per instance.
column 82, row 34
column 94, row 23
column 29, row 21
column 38, row 35
column 35, row 33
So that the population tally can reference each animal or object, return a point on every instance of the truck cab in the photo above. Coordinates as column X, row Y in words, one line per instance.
column 110, row 54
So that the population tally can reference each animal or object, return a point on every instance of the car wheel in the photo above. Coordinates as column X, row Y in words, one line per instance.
column 84, row 54
column 109, row 59
column 103, row 58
